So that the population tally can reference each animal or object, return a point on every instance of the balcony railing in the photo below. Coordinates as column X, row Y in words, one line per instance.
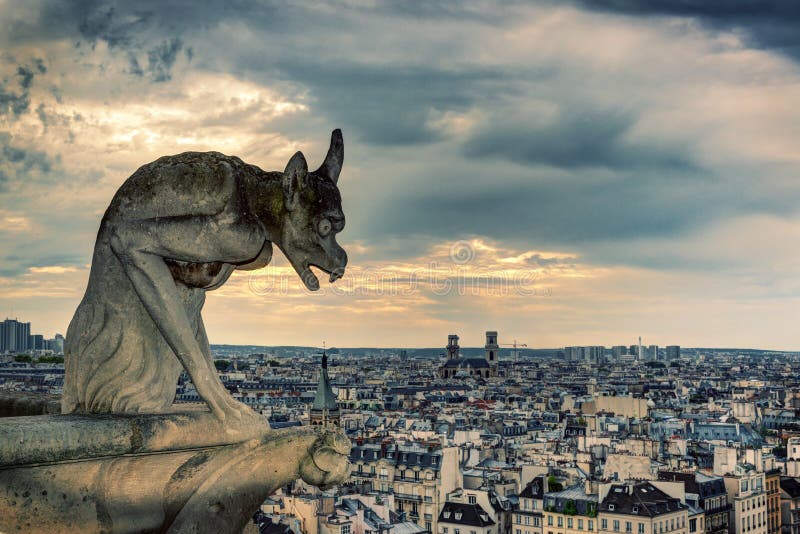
column 408, row 497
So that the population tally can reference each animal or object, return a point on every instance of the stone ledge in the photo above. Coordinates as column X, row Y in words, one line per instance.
column 178, row 472
column 46, row 439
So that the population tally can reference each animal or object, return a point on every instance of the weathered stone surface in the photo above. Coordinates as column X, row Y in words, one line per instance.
column 56, row 438
column 179, row 227
column 151, row 482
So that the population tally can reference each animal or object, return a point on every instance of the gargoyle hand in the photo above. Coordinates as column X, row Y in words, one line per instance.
column 327, row 463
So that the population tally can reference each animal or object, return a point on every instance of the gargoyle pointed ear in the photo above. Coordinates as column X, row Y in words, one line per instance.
column 294, row 179
column 332, row 165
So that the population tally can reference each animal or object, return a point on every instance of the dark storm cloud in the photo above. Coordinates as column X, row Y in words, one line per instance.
column 393, row 106
column 16, row 102
column 770, row 24
column 574, row 138
column 161, row 58
column 557, row 210
column 17, row 163
column 15, row 264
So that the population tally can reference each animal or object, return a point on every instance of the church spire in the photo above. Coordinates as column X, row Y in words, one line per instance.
column 325, row 410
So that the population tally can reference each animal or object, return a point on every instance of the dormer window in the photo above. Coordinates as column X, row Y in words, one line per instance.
column 635, row 509
column 458, row 516
column 610, row 507
column 446, row 515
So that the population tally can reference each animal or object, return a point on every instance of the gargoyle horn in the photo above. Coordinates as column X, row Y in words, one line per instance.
column 332, row 165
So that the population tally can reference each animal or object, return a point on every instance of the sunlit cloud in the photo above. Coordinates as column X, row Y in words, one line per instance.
column 572, row 172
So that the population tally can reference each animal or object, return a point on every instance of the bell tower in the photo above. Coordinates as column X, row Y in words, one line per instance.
column 492, row 351
column 452, row 347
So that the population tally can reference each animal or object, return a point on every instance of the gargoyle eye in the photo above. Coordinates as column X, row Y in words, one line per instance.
column 324, row 227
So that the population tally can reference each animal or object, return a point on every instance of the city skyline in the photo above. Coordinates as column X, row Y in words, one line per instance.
column 566, row 173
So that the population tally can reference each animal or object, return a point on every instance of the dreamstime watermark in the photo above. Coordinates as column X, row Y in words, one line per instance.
column 459, row 275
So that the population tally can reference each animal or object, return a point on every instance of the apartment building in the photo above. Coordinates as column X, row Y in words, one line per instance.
column 640, row 508
column 465, row 518
column 711, row 497
column 570, row 511
column 418, row 475
column 747, row 497
column 772, row 481
column 527, row 519
column 790, row 505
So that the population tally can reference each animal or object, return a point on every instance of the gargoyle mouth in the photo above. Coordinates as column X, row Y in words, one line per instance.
column 310, row 279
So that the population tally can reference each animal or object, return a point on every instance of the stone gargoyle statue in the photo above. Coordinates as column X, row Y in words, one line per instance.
column 122, row 457
column 179, row 227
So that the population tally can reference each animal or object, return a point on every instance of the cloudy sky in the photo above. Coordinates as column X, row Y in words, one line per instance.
column 565, row 173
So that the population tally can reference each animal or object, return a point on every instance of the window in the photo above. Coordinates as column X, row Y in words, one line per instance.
column 527, row 520
column 591, row 525
column 471, row 499
column 569, row 522
column 604, row 524
column 580, row 524
column 456, row 531
column 693, row 525
column 428, row 526
column 628, row 526
column 549, row 520
column 345, row 529
column 616, row 525
column 560, row 521
column 641, row 528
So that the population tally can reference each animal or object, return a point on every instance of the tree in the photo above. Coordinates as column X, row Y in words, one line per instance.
column 50, row 359
column 23, row 358
column 222, row 365
column 553, row 484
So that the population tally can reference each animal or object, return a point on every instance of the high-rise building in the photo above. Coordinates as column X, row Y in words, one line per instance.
column 673, row 352
column 15, row 336
column 37, row 342
column 56, row 344
column 619, row 350
column 652, row 353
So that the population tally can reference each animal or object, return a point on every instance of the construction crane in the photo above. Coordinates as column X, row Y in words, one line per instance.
column 515, row 345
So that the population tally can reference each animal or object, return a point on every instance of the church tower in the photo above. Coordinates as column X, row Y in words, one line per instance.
column 452, row 347
column 492, row 352
column 325, row 411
